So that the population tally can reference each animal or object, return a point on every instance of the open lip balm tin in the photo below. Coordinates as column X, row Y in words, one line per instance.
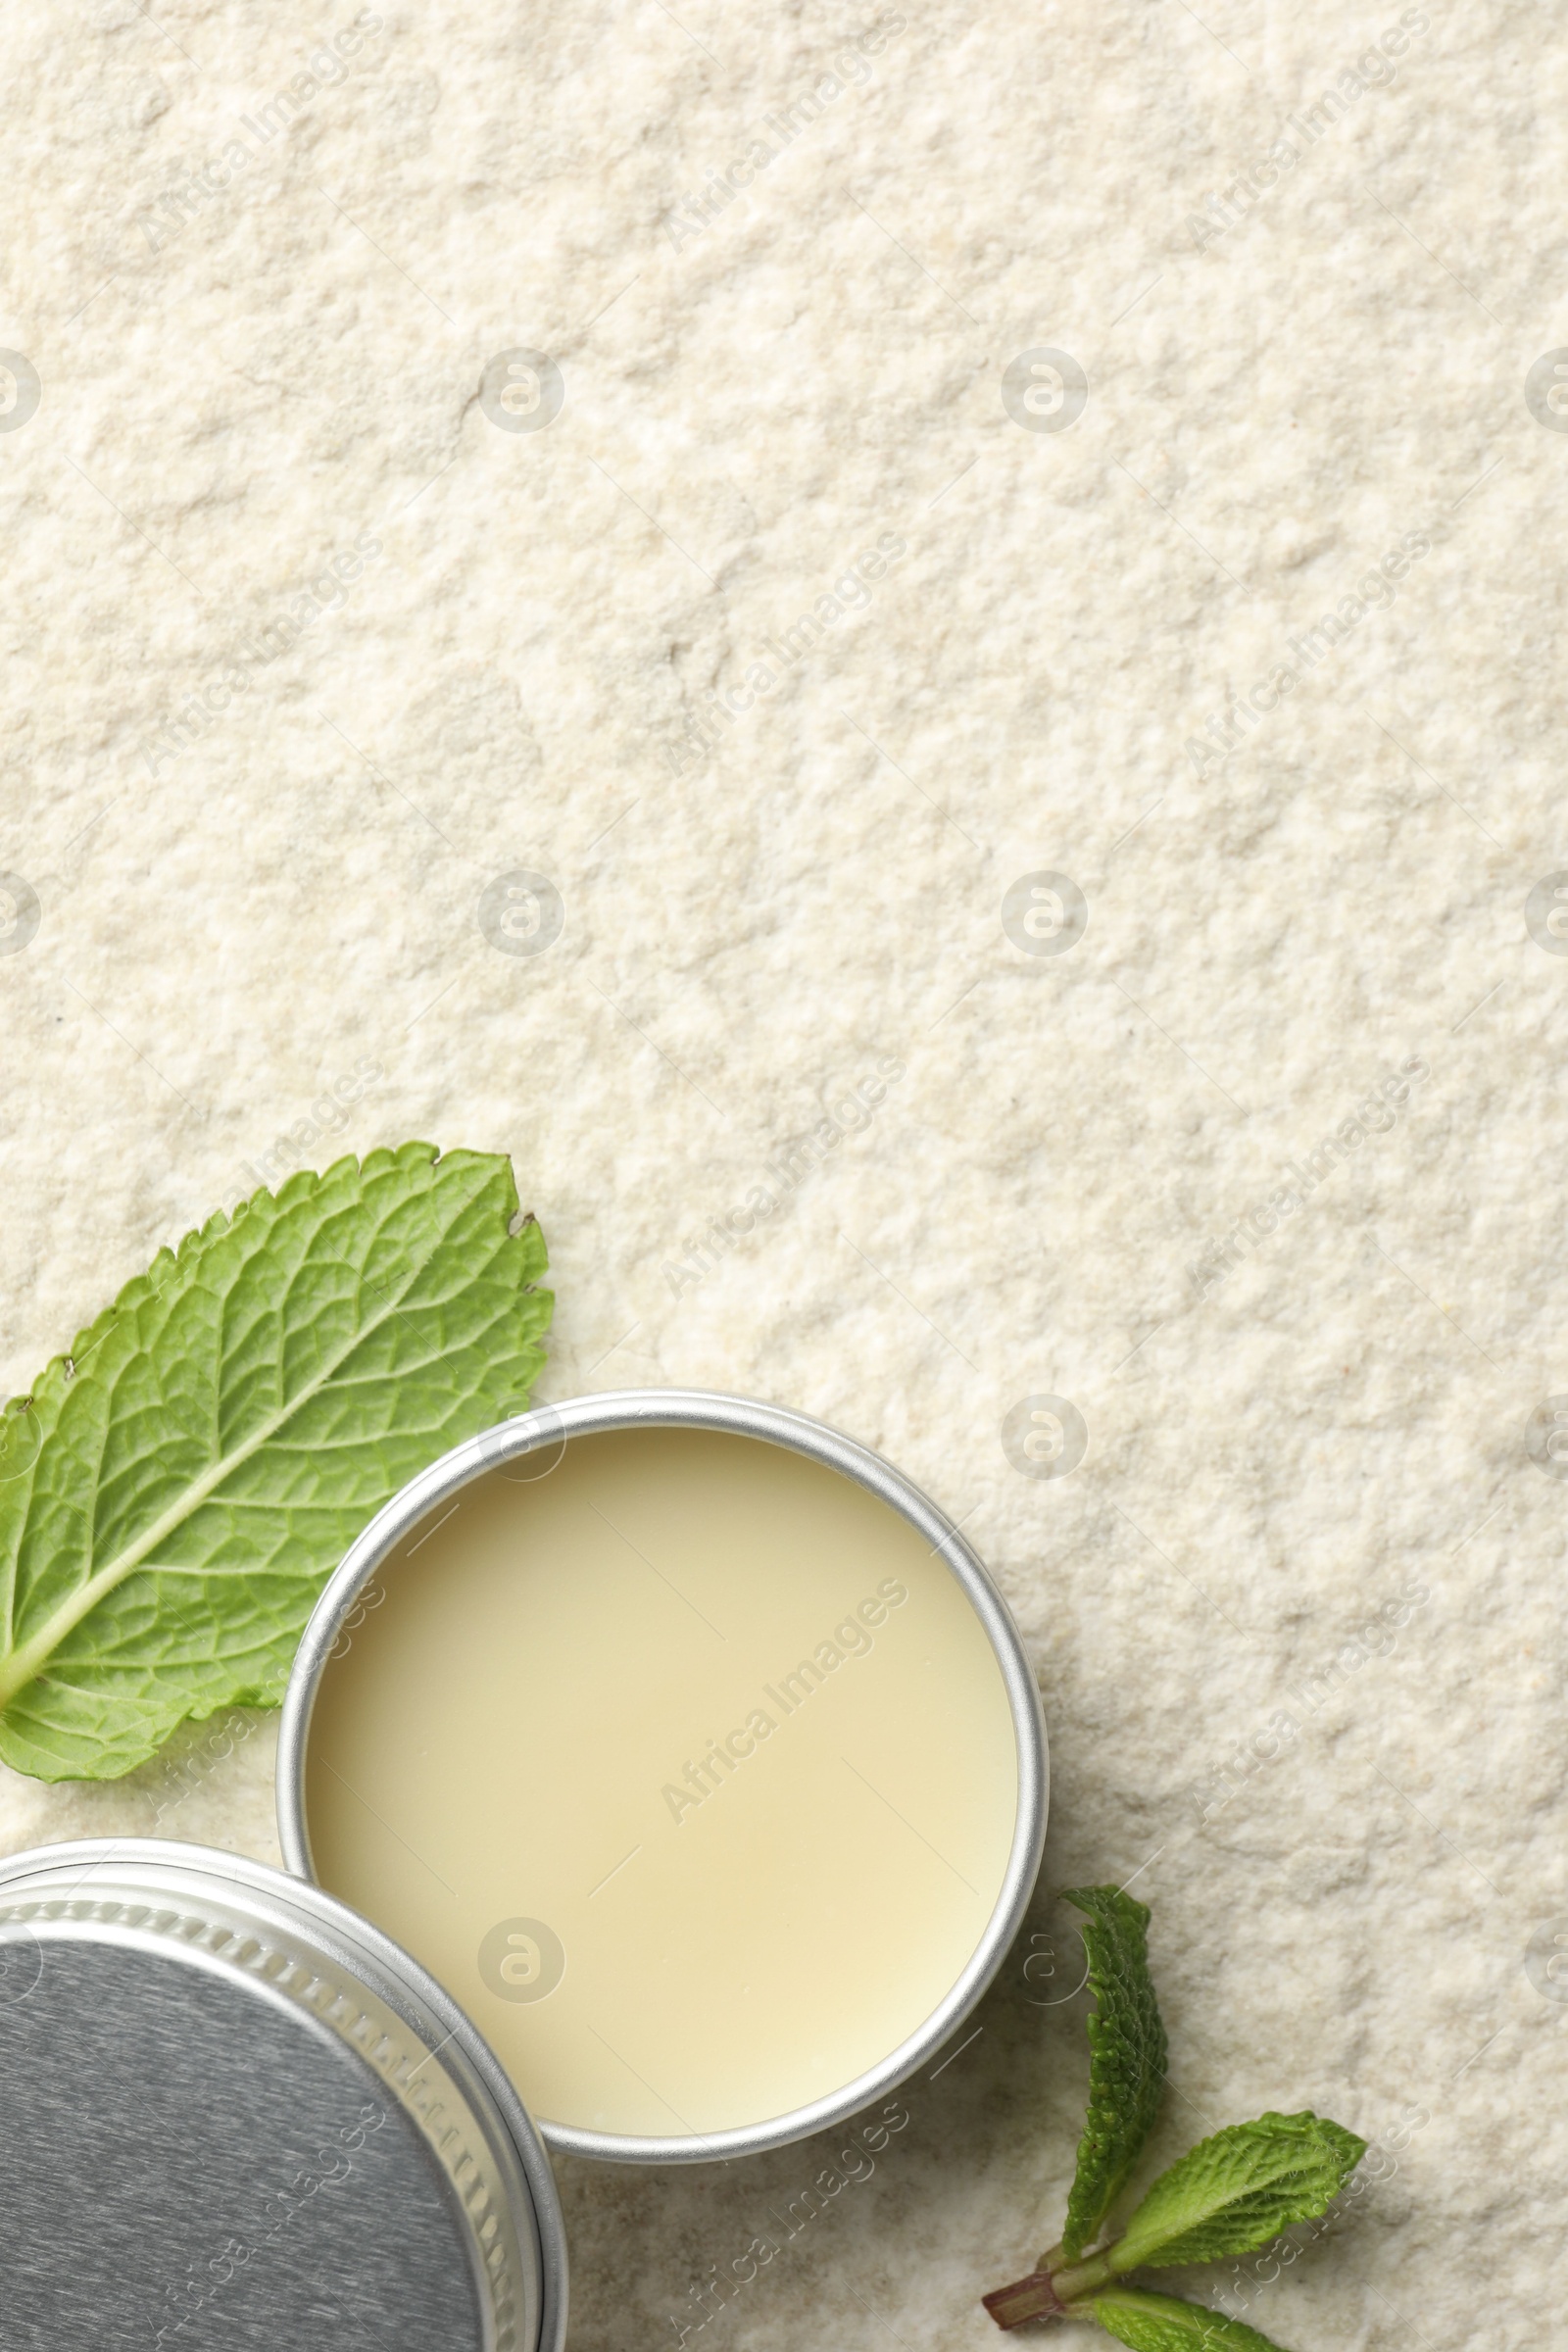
column 239, row 2114
column 617, row 1718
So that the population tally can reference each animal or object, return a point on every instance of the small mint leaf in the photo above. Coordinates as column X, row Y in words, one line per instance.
column 179, row 1488
column 1237, row 2191
column 1127, row 2058
column 1165, row 2323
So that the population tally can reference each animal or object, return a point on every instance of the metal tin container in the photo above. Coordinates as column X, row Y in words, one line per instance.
column 237, row 2113
column 542, row 1433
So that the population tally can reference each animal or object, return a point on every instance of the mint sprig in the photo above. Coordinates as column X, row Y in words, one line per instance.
column 175, row 1491
column 1232, row 2193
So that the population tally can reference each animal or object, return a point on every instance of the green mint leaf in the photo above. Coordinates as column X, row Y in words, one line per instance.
column 1165, row 2323
column 174, row 1493
column 1239, row 2190
column 1127, row 2058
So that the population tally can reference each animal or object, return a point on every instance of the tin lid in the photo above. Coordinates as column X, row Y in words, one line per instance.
column 239, row 2114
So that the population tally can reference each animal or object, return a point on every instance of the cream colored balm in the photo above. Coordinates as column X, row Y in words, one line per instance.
column 685, row 1765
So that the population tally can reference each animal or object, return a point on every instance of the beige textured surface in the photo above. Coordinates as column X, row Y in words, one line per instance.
column 231, row 923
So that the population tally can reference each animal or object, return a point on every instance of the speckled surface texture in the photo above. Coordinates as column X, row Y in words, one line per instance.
column 782, row 651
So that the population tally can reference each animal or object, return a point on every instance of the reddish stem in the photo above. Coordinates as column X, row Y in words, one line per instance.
column 1031, row 2298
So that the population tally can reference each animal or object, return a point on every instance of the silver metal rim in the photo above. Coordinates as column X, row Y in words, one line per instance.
column 369, row 1959
column 742, row 1416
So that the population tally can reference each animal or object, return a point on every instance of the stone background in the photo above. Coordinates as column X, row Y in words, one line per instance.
column 1296, row 1610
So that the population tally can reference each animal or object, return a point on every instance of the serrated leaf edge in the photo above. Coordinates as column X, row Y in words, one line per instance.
column 1336, row 2139
column 24, row 1662
column 1074, row 2240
